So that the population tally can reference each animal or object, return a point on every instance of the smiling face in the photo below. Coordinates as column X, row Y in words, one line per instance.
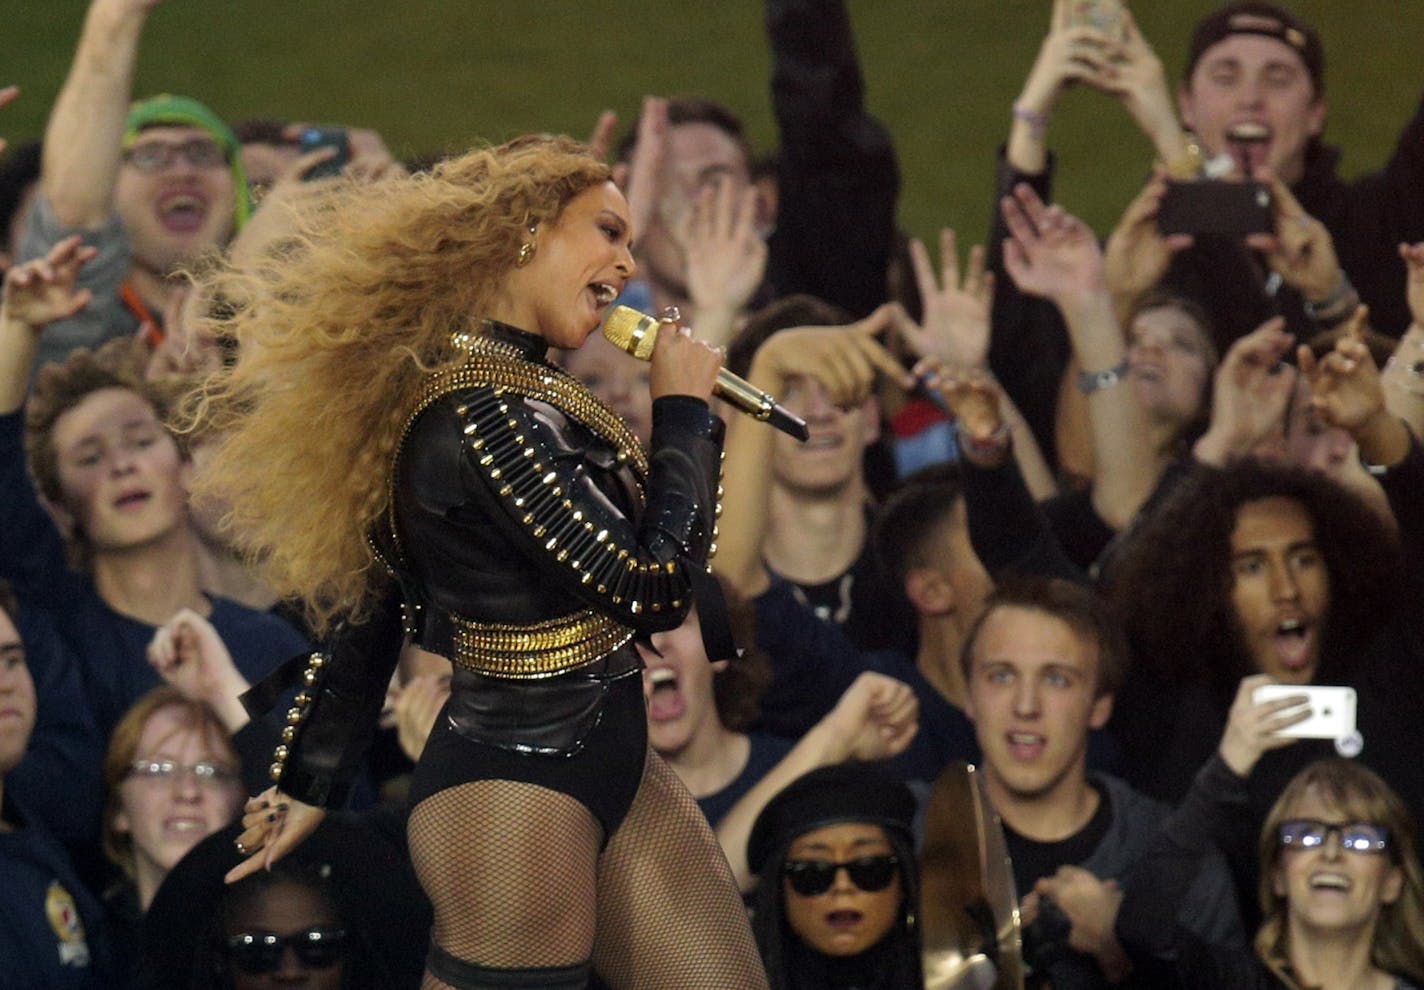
column 1251, row 96
column 1280, row 588
column 175, row 212
column 832, row 458
column 845, row 920
column 580, row 263
column 167, row 817
column 1328, row 889
column 122, row 481
column 1033, row 699
column 678, row 687
column 1168, row 364
column 17, row 697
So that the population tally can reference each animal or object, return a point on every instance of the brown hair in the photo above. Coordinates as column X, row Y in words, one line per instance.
column 338, row 329
column 123, row 750
column 1360, row 795
column 1078, row 607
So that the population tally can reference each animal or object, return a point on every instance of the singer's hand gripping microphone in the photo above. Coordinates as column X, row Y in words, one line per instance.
column 635, row 332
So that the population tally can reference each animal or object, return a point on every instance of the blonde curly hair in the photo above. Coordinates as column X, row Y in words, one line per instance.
column 337, row 327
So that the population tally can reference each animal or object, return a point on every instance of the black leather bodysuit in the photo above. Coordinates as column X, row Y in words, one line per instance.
column 531, row 541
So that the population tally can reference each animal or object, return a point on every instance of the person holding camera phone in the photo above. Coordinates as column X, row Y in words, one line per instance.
column 1342, row 892
column 1042, row 667
column 1254, row 93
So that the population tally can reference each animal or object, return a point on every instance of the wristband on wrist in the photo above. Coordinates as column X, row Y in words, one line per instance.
column 1036, row 120
column 1095, row 381
column 994, row 443
column 1335, row 307
column 1188, row 163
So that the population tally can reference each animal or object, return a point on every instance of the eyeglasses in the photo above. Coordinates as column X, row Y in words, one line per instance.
column 155, row 156
column 255, row 953
column 1308, row 833
column 204, row 771
column 810, row 877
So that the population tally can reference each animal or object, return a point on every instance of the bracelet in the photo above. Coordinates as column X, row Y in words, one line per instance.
column 1036, row 120
column 1190, row 164
column 1095, row 381
column 988, row 446
column 1334, row 307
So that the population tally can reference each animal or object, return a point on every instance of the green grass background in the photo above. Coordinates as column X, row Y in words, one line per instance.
column 437, row 75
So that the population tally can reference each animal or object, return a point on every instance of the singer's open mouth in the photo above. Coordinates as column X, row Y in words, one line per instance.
column 604, row 293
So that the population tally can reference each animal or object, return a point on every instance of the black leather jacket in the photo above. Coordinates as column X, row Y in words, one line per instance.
column 517, row 499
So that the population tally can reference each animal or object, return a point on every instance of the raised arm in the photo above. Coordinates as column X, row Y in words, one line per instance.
column 1055, row 256
column 838, row 179
column 845, row 361
column 876, row 719
column 83, row 141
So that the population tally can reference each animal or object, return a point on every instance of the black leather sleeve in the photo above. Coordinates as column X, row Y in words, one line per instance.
column 534, row 476
column 328, row 729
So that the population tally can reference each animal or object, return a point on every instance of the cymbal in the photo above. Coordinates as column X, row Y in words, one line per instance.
column 968, row 907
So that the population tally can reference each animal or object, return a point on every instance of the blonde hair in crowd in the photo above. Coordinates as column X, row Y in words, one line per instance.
column 1357, row 794
column 337, row 327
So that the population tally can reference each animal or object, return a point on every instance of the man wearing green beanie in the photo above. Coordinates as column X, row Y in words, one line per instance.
column 152, row 186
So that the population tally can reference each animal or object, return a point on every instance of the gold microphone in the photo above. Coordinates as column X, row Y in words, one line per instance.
column 635, row 332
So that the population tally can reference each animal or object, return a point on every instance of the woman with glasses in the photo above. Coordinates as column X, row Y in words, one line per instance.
column 1342, row 893
column 172, row 778
column 835, row 905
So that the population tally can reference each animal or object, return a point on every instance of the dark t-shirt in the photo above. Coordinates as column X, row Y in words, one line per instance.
column 1035, row 860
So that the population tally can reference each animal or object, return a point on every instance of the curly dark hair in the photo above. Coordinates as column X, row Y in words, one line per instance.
column 737, row 690
column 1172, row 587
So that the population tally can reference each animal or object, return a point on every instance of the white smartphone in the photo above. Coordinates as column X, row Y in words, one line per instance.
column 1332, row 709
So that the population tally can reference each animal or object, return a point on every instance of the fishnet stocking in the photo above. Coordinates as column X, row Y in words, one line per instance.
column 668, row 911
column 509, row 868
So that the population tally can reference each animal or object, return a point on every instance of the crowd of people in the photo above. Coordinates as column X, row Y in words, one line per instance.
column 368, row 620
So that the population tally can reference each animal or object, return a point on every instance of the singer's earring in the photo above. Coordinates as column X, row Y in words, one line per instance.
column 526, row 250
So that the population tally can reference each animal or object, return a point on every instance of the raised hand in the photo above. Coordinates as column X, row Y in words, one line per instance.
column 726, row 257
column 844, row 360
column 1139, row 82
column 1251, row 391
column 189, row 654
column 39, row 292
column 1300, row 250
column 1252, row 730
column 1069, row 53
column 1050, row 253
column 1345, row 383
column 639, row 178
column 877, row 717
column 600, row 141
column 955, row 324
column 1137, row 254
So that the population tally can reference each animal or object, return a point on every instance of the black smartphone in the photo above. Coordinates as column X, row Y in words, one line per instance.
column 1214, row 206
column 313, row 138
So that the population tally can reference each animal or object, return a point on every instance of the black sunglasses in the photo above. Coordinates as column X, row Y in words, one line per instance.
column 255, row 953
column 810, row 877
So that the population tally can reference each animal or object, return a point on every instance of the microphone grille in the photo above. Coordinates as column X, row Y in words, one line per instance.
column 629, row 330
